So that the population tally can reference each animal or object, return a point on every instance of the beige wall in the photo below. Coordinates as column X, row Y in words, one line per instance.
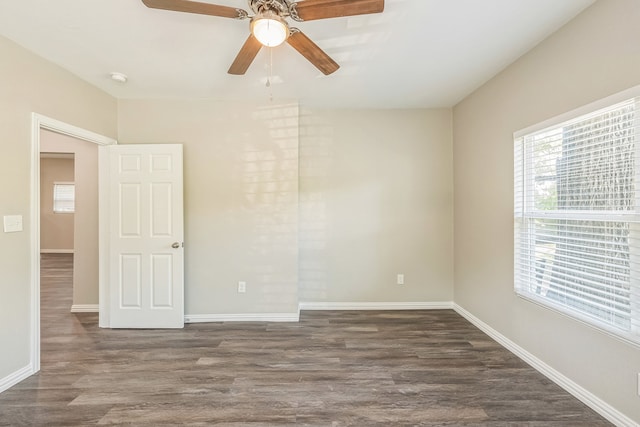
column 376, row 200
column 595, row 55
column 85, row 235
column 31, row 84
column 240, row 198
column 56, row 229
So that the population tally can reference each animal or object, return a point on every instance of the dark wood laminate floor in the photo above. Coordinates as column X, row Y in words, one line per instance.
column 428, row 368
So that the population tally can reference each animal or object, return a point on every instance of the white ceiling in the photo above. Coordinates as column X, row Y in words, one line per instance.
column 417, row 53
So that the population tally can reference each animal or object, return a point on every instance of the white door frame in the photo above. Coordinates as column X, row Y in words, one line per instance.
column 39, row 122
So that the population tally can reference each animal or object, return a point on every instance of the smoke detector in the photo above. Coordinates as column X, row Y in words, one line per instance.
column 119, row 77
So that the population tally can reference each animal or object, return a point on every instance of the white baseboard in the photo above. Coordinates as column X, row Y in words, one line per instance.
column 295, row 317
column 14, row 378
column 439, row 305
column 56, row 251
column 84, row 308
column 579, row 392
column 242, row 317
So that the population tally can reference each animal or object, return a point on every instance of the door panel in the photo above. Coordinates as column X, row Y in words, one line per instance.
column 129, row 211
column 161, row 209
column 129, row 283
column 161, row 272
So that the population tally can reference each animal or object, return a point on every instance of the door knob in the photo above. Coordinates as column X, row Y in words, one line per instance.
column 175, row 245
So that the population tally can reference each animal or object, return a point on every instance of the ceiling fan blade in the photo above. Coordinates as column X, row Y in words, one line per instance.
column 246, row 56
column 196, row 7
column 309, row 10
column 312, row 52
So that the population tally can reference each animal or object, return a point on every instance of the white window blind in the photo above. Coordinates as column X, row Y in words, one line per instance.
column 64, row 197
column 577, row 218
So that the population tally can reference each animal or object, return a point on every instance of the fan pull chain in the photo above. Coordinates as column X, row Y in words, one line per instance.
column 270, row 77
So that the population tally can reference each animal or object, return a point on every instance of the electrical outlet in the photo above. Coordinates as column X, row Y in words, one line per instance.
column 242, row 287
column 400, row 279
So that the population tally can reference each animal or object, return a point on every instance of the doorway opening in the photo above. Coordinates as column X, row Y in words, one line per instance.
column 57, row 220
column 42, row 124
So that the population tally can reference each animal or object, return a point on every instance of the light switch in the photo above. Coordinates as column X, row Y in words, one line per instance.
column 12, row 223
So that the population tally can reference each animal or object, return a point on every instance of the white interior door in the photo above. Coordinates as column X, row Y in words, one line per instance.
column 146, row 256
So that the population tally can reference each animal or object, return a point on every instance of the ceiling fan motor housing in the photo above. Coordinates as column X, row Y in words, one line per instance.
column 282, row 8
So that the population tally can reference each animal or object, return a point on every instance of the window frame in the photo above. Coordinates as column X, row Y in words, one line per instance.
column 54, row 207
column 522, row 215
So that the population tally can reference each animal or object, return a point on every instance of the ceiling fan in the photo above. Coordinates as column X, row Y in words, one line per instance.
column 269, row 26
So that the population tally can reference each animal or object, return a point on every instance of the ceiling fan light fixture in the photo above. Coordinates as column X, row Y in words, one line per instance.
column 270, row 29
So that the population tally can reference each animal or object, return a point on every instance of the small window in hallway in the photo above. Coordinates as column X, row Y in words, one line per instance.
column 64, row 195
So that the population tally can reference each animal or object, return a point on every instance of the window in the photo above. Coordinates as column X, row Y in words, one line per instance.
column 64, row 197
column 577, row 217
